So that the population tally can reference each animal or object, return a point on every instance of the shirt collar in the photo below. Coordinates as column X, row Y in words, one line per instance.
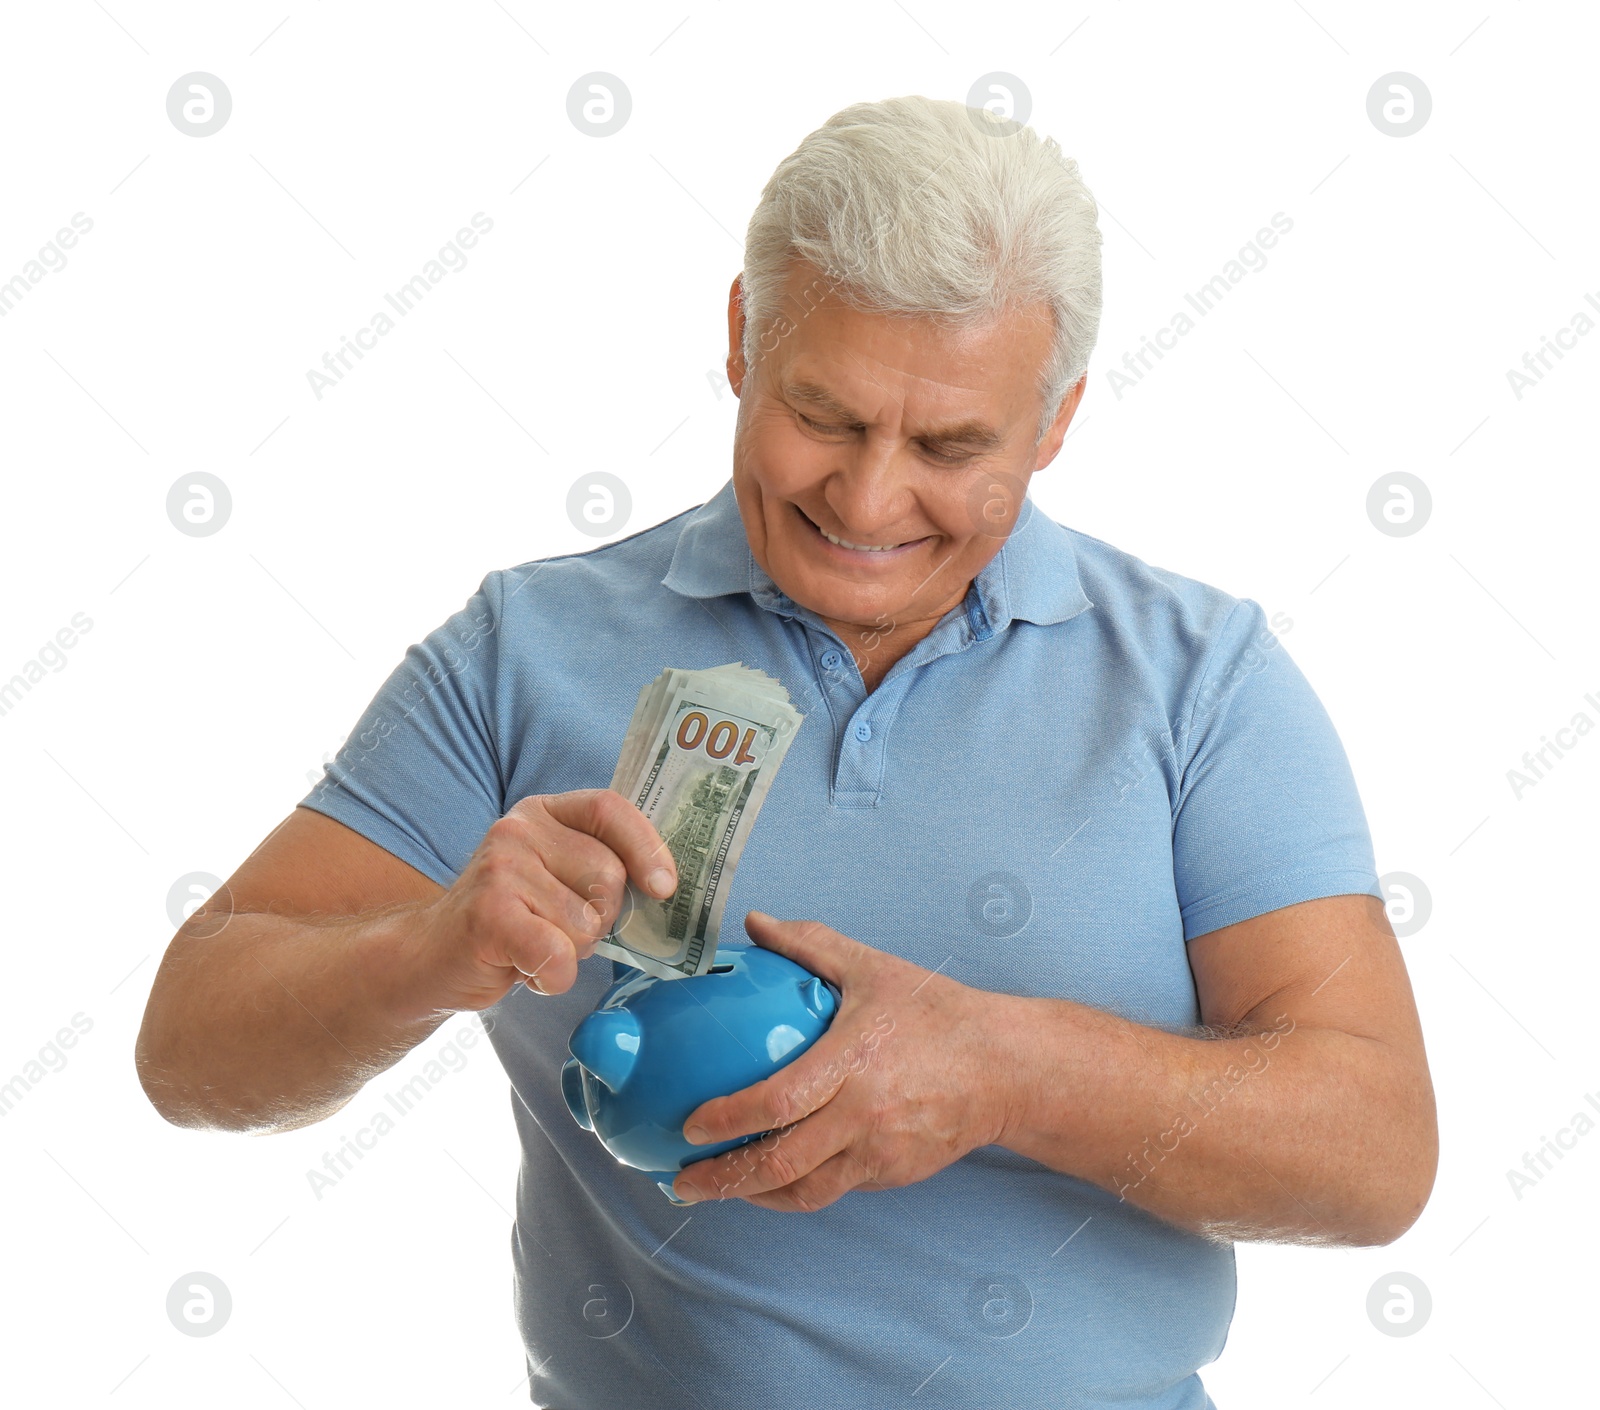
column 1034, row 576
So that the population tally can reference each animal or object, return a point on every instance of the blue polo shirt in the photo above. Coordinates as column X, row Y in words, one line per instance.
column 1085, row 765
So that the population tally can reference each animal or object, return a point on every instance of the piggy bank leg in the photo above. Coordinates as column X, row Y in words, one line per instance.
column 664, row 1179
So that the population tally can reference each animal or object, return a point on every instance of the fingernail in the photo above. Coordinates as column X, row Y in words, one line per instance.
column 688, row 1196
column 761, row 915
column 660, row 881
column 696, row 1135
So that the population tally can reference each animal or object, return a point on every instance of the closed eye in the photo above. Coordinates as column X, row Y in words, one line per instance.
column 819, row 426
column 942, row 457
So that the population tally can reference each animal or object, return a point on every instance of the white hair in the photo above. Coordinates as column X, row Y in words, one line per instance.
column 929, row 208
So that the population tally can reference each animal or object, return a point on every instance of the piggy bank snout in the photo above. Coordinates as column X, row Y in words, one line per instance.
column 572, row 1093
column 607, row 1044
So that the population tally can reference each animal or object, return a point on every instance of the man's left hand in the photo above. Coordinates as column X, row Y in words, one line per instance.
column 914, row 1072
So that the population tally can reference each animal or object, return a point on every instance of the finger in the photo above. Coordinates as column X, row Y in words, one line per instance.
column 594, row 874
column 836, row 1176
column 805, row 1086
column 775, row 1160
column 810, row 944
column 553, row 973
column 578, row 917
column 605, row 814
column 567, row 876
column 517, row 937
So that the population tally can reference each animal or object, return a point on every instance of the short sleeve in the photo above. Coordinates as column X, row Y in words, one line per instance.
column 1268, row 813
column 420, row 773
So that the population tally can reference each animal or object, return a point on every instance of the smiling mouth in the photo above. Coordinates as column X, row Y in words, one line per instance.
column 844, row 543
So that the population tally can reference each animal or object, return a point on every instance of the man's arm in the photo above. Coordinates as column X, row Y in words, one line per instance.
column 325, row 959
column 281, row 996
column 1316, row 1125
column 1308, row 1118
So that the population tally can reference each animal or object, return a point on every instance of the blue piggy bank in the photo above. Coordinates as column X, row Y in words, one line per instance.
column 654, row 1049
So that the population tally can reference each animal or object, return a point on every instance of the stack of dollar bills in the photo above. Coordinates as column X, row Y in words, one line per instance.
column 701, row 752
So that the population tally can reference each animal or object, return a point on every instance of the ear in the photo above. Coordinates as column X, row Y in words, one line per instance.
column 735, row 365
column 1050, row 446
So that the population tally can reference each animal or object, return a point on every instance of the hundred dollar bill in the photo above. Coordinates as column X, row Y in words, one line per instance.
column 700, row 754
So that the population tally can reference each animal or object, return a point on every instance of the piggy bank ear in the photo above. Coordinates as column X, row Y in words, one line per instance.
column 820, row 997
column 607, row 1044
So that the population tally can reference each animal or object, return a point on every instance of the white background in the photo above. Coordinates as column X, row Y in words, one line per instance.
column 220, row 671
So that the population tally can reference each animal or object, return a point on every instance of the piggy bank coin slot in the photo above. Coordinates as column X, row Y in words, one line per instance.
column 720, row 969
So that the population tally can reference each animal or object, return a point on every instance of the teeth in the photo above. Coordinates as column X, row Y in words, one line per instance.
column 865, row 547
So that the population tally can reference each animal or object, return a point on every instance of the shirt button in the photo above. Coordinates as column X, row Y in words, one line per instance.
column 830, row 659
column 863, row 731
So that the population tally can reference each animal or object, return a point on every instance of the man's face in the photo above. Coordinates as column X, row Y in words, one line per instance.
column 890, row 434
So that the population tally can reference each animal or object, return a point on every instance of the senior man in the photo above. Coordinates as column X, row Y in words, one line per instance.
column 1072, row 835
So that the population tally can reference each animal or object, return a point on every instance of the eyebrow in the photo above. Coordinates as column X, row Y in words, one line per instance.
column 977, row 434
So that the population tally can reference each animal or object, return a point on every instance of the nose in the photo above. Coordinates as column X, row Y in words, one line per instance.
column 869, row 493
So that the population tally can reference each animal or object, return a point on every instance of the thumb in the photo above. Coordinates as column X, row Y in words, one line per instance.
column 809, row 943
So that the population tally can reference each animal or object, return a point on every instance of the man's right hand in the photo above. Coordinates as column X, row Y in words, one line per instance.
column 543, row 888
